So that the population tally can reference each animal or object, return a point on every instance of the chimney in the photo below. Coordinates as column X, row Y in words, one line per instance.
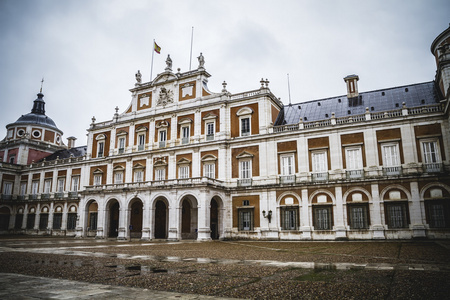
column 71, row 142
column 352, row 86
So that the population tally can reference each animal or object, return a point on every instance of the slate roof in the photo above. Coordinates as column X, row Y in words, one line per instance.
column 66, row 153
column 414, row 95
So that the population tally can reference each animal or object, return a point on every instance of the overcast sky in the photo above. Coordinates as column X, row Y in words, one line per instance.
column 89, row 51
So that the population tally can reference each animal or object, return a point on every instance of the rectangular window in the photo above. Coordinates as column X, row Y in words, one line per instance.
column 322, row 217
column 210, row 131
column 71, row 221
column 289, row 218
column 75, row 181
column 319, row 162
column 287, row 165
column 57, row 221
column 121, row 145
column 141, row 142
column 245, row 169
column 358, row 216
column 391, row 155
column 209, row 170
column 35, row 187
column 162, row 138
column 353, row 158
column 160, row 174
column 118, row 177
column 246, row 219
column 139, row 176
column 7, row 188
column 245, row 126
column 100, row 148
column 397, row 215
column 23, row 188
column 431, row 152
column 97, row 179
column 43, row 221
column 61, row 185
column 185, row 134
column 438, row 213
column 183, row 172
column 47, row 186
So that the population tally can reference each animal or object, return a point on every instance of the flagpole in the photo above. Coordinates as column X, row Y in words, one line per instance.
column 289, row 89
column 153, row 52
column 192, row 38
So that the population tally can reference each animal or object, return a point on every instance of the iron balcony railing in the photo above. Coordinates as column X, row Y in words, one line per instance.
column 287, row 179
column 392, row 171
column 245, row 182
column 354, row 174
column 433, row 167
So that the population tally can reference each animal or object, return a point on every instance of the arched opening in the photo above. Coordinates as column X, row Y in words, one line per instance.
column 114, row 219
column 4, row 218
column 136, row 219
column 214, row 219
column 31, row 217
column 92, row 217
column 19, row 219
column 43, row 218
column 160, row 220
column 188, row 219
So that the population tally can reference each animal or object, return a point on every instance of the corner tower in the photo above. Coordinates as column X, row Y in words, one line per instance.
column 32, row 137
column 441, row 51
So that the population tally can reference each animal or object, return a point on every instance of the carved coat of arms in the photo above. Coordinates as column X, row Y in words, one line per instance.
column 165, row 97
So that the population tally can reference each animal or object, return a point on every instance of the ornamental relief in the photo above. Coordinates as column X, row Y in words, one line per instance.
column 165, row 97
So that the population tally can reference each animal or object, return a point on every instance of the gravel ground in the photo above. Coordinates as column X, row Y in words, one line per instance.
column 242, row 280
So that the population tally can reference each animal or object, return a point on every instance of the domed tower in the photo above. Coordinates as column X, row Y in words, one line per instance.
column 441, row 51
column 32, row 137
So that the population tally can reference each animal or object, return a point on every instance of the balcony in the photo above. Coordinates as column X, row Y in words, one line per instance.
column 284, row 179
column 162, row 144
column 121, row 150
column 210, row 137
column 59, row 195
column 21, row 197
column 185, row 140
column 392, row 171
column 319, row 177
column 354, row 174
column 433, row 167
column 73, row 195
column 6, row 197
column 45, row 196
column 33, row 197
column 245, row 182
column 141, row 147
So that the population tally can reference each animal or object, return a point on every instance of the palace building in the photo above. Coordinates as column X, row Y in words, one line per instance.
column 183, row 162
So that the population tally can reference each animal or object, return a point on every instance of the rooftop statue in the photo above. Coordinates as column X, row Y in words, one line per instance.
column 201, row 61
column 169, row 63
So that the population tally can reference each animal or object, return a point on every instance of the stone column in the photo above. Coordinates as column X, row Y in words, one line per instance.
column 123, row 223
column 146, row 223
column 37, row 217
column 375, row 214
column 25, row 217
column 203, row 216
column 50, row 217
column 101, row 219
column 174, row 233
column 415, row 212
column 65, row 214
column 305, row 222
column 339, row 227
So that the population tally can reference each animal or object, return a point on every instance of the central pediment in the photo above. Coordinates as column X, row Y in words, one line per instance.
column 164, row 78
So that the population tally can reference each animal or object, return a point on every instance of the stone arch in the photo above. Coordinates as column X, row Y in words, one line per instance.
column 433, row 184
column 396, row 211
column 392, row 187
column 322, row 209
column 135, row 207
column 436, row 204
column 160, row 209
column 216, row 208
column 112, row 214
column 356, row 189
column 188, row 205
column 288, row 193
column 288, row 211
column 91, row 217
column 5, row 215
column 356, row 202
column 19, row 217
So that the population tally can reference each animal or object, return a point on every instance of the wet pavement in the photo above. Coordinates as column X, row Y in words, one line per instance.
column 18, row 287
column 231, row 269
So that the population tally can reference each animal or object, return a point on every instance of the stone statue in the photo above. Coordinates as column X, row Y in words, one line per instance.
column 138, row 77
column 169, row 63
column 201, row 61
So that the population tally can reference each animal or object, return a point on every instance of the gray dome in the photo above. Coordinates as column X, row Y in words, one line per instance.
column 37, row 119
column 37, row 115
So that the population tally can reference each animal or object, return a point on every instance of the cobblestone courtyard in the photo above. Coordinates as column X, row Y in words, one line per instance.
column 239, row 269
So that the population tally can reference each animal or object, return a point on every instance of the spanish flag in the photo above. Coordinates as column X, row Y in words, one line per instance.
column 157, row 48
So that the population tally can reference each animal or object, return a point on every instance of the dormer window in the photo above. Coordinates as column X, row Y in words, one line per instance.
column 245, row 117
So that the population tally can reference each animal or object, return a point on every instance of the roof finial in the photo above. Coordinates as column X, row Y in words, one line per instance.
column 42, row 83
